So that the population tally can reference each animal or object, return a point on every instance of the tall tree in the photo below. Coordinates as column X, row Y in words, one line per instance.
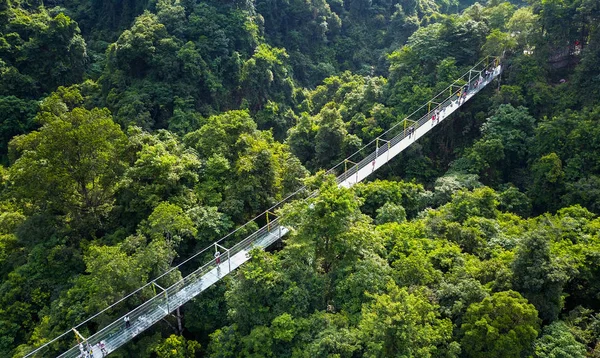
column 502, row 325
column 72, row 163
column 399, row 323
column 537, row 276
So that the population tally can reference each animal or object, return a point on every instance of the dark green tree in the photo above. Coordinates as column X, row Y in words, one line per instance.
column 537, row 277
column 71, row 165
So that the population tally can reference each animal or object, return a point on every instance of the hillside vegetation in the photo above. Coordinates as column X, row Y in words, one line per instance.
column 134, row 133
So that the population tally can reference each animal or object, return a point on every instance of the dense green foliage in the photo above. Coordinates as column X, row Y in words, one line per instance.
column 134, row 133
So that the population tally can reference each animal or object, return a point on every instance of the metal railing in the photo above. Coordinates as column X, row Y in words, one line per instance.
column 445, row 104
column 201, row 276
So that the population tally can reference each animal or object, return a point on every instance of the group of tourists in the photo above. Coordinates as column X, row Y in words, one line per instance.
column 411, row 131
column 462, row 93
column 488, row 74
column 88, row 351
column 435, row 117
column 478, row 81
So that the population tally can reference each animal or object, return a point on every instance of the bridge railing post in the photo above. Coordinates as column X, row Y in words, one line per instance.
column 166, row 295
column 217, row 246
column 346, row 161
column 269, row 221
column 469, row 83
column 84, row 342
column 388, row 148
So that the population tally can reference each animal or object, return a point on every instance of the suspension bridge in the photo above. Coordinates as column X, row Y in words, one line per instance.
column 158, row 299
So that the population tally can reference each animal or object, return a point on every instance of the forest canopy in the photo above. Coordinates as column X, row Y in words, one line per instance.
column 135, row 133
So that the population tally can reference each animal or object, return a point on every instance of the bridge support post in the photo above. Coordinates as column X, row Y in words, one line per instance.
column 268, row 221
column 469, row 83
column 388, row 152
column 452, row 88
column 83, row 342
column 217, row 246
column 388, row 148
column 346, row 161
column 166, row 295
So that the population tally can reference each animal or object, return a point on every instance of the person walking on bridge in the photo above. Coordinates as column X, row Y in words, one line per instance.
column 102, row 346
column 218, row 262
column 463, row 96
